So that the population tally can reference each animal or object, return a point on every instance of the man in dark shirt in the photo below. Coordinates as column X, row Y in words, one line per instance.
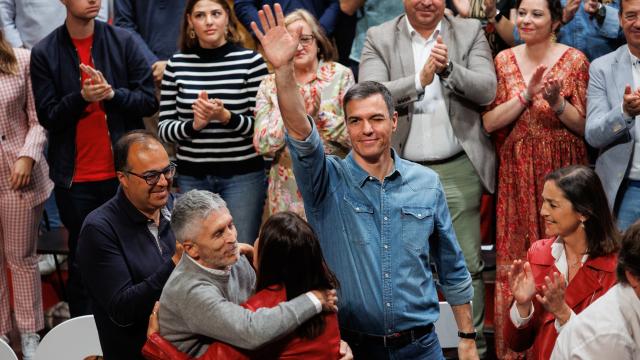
column 127, row 250
column 91, row 85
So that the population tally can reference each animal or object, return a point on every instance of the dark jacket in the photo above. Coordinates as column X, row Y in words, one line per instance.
column 55, row 73
column 124, row 270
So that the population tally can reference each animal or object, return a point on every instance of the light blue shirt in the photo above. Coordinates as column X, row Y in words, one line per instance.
column 26, row 22
column 372, row 13
column 584, row 32
column 381, row 237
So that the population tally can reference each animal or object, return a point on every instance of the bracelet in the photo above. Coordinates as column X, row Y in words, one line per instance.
column 561, row 108
column 471, row 335
column 523, row 99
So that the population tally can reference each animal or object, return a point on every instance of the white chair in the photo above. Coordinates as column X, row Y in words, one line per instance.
column 74, row 339
column 6, row 352
column 446, row 327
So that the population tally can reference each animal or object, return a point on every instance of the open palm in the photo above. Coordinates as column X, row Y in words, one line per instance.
column 279, row 44
column 521, row 281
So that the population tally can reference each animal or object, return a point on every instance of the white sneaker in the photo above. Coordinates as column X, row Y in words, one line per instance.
column 30, row 342
column 5, row 338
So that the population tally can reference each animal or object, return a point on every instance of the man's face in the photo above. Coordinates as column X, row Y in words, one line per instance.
column 82, row 9
column 630, row 23
column 424, row 14
column 144, row 159
column 216, row 243
column 370, row 128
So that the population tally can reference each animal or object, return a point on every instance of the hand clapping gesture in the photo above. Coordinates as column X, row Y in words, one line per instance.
column 95, row 88
column 551, row 91
column 523, row 286
column 552, row 298
column 440, row 55
column 205, row 110
column 631, row 101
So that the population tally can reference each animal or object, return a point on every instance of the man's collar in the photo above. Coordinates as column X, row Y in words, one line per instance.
column 209, row 270
column 413, row 31
column 360, row 176
column 634, row 59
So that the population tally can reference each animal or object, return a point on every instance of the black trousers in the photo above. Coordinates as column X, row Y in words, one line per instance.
column 74, row 205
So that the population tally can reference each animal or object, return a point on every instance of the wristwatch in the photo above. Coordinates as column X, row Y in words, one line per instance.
column 447, row 71
column 471, row 335
column 496, row 18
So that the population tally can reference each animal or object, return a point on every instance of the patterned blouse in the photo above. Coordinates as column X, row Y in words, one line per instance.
column 330, row 84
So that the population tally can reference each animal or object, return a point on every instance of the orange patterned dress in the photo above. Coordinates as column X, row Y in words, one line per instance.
column 531, row 147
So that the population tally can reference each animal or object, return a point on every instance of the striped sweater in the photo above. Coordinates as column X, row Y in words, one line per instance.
column 231, row 74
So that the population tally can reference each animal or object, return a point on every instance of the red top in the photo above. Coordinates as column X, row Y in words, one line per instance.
column 94, row 157
column 324, row 347
column 593, row 280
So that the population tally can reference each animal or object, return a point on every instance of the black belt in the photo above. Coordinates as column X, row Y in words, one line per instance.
column 398, row 339
column 441, row 161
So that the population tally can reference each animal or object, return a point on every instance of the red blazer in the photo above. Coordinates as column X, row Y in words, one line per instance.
column 593, row 279
column 325, row 346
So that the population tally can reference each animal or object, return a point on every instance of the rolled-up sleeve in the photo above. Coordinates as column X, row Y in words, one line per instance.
column 454, row 278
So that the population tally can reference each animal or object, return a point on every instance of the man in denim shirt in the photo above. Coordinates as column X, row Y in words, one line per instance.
column 381, row 220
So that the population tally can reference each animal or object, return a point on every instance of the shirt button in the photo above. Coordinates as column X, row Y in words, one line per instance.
column 388, row 304
column 386, row 275
column 386, row 218
column 419, row 215
column 371, row 178
column 357, row 209
column 385, row 246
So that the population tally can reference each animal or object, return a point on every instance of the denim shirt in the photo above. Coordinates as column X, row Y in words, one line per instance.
column 380, row 238
column 584, row 32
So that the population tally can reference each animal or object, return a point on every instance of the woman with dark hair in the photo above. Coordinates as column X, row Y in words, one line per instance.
column 537, row 121
column 568, row 271
column 323, row 83
column 610, row 328
column 24, row 186
column 206, row 107
column 288, row 262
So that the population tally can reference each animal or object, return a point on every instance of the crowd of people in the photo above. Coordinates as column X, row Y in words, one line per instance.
column 220, row 166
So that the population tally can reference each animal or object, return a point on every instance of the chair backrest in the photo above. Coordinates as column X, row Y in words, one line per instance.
column 74, row 339
column 6, row 352
column 446, row 327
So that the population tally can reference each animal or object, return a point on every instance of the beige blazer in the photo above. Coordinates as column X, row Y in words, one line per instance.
column 387, row 57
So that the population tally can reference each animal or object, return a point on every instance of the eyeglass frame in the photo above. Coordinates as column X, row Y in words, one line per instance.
column 308, row 39
column 156, row 174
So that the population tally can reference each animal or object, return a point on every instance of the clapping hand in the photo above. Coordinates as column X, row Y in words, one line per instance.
column 552, row 298
column 205, row 110
column 523, row 286
column 535, row 84
column 440, row 55
column 570, row 10
column 95, row 88
column 631, row 101
column 551, row 91
column 279, row 45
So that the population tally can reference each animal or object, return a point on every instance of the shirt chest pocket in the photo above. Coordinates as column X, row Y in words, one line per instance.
column 417, row 226
column 358, row 220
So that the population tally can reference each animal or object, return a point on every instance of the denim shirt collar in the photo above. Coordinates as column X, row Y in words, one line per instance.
column 359, row 176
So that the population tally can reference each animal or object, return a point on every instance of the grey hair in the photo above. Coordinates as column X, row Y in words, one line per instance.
column 189, row 211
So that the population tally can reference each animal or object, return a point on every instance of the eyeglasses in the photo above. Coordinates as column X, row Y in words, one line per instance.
column 306, row 40
column 152, row 177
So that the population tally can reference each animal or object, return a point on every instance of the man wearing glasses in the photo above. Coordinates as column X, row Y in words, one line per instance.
column 126, row 249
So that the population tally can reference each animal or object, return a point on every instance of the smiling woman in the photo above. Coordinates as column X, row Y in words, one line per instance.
column 567, row 272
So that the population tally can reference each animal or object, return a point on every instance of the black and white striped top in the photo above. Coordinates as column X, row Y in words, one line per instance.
column 231, row 74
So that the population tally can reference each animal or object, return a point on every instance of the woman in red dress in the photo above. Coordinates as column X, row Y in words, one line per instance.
column 568, row 271
column 288, row 262
column 538, row 120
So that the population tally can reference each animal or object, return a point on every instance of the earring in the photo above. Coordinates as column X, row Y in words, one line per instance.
column 192, row 34
column 582, row 223
column 554, row 38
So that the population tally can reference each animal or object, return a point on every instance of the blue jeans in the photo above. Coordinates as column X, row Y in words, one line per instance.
column 629, row 209
column 424, row 348
column 244, row 195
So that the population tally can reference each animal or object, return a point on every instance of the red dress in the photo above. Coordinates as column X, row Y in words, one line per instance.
column 530, row 148
column 591, row 281
column 324, row 347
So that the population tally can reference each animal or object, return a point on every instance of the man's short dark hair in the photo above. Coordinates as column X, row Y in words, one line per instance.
column 121, row 149
column 365, row 90
column 629, row 256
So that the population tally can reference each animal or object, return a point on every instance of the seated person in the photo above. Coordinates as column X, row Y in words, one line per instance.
column 288, row 262
column 201, row 296
column 610, row 327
